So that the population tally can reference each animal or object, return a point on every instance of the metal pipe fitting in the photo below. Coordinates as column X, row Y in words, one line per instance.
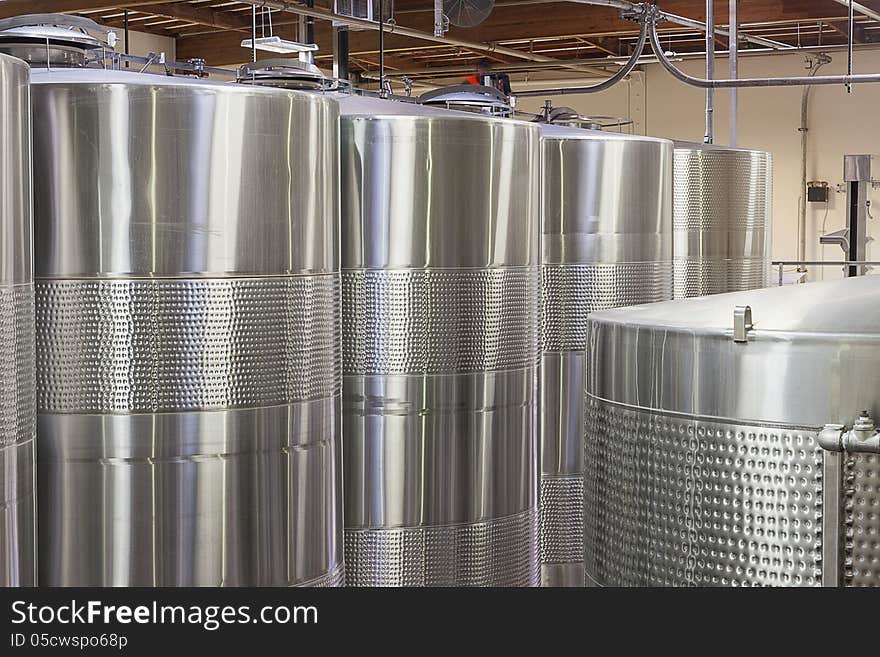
column 601, row 86
column 830, row 437
column 863, row 438
column 677, row 73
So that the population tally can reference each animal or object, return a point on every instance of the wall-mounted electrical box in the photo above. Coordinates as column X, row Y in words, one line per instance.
column 817, row 191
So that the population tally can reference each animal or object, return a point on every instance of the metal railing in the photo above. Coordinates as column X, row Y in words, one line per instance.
column 780, row 264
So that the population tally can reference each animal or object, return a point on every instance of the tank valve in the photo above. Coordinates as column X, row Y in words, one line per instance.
column 862, row 438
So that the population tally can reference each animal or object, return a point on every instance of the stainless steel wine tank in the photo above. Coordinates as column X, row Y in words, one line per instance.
column 17, row 419
column 188, row 351
column 722, row 217
column 441, row 304
column 607, row 242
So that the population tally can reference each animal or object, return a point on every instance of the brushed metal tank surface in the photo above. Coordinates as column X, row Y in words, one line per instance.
column 441, row 303
column 702, row 461
column 188, row 333
column 862, row 548
column 722, row 213
column 607, row 242
column 18, row 564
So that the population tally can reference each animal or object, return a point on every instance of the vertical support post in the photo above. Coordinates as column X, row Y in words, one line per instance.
column 734, row 51
column 126, row 32
column 832, row 518
column 709, row 138
column 382, row 47
column 254, row 33
column 857, row 175
column 340, row 52
column 855, row 202
column 310, row 23
column 438, row 18
column 849, row 45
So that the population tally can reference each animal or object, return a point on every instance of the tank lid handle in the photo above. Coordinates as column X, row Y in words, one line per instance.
column 742, row 323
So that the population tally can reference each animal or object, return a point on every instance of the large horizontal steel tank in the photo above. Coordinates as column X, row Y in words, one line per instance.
column 607, row 242
column 722, row 217
column 705, row 449
column 17, row 419
column 188, row 332
column 441, row 303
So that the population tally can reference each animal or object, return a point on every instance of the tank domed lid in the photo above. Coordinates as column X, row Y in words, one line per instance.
column 468, row 97
column 286, row 73
column 570, row 117
column 360, row 106
column 568, row 123
column 847, row 306
column 53, row 39
column 58, row 29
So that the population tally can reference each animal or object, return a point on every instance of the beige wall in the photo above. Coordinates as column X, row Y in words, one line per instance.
column 142, row 44
column 769, row 119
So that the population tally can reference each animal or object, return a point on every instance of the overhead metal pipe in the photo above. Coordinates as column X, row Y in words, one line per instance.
column 862, row 9
column 601, row 86
column 622, row 5
column 646, row 58
column 697, row 25
column 394, row 28
column 752, row 82
column 634, row 9
column 709, row 137
column 638, row 9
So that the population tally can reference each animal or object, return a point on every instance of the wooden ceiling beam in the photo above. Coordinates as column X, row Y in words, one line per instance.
column 119, row 24
column 842, row 28
column 508, row 22
column 608, row 45
column 18, row 7
column 208, row 17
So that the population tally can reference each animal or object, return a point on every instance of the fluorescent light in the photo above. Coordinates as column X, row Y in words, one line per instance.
column 277, row 44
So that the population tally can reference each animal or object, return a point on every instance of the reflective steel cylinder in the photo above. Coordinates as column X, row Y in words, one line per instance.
column 441, row 303
column 17, row 418
column 188, row 347
column 722, row 217
column 607, row 242
column 703, row 461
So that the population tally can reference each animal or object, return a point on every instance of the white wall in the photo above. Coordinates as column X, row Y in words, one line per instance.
column 769, row 119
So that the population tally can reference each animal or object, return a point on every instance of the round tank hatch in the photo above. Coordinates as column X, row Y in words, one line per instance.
column 284, row 73
column 469, row 98
column 53, row 40
column 569, row 117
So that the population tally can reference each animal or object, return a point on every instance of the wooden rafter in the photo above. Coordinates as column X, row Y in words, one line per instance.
column 608, row 45
column 212, row 29
column 859, row 34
